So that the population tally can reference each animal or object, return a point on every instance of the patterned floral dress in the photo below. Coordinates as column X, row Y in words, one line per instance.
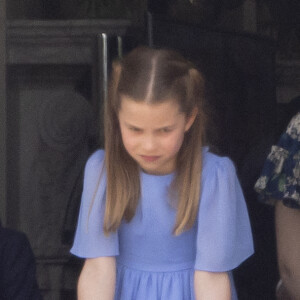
column 280, row 177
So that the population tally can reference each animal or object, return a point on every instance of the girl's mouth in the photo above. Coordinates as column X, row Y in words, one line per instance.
column 149, row 158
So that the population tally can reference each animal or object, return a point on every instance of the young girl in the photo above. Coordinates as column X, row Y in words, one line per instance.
column 161, row 217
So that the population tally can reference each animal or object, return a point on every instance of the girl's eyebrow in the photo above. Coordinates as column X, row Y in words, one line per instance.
column 170, row 126
column 166, row 127
column 130, row 125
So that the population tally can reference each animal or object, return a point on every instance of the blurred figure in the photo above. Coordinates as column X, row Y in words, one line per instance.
column 279, row 184
column 17, row 267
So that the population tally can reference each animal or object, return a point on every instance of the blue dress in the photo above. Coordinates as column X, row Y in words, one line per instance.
column 151, row 262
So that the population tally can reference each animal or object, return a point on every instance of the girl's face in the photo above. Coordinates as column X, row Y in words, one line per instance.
column 152, row 134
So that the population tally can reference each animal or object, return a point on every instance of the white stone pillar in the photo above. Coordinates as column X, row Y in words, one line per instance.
column 2, row 112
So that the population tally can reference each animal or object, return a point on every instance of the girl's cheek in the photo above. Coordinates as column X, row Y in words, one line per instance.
column 178, row 145
column 133, row 140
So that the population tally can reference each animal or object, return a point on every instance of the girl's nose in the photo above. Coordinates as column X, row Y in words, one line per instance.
column 149, row 143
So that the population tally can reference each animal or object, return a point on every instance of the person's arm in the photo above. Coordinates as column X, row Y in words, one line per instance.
column 212, row 286
column 97, row 279
column 287, row 222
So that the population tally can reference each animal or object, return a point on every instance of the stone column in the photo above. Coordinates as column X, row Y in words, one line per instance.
column 2, row 112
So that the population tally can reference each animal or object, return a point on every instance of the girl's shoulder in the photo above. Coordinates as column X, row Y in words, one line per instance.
column 215, row 164
column 94, row 165
column 96, row 159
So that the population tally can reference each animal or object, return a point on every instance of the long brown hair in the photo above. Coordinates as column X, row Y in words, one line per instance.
column 153, row 75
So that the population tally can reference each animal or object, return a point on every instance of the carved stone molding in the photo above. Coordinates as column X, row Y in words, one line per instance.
column 55, row 42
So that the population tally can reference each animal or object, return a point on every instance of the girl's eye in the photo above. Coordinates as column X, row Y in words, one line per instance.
column 165, row 130
column 135, row 129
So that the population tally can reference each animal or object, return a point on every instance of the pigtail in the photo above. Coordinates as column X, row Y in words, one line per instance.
column 189, row 164
column 123, row 188
column 116, row 74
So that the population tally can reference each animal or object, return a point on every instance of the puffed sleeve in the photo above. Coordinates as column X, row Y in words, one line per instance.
column 90, row 241
column 224, row 237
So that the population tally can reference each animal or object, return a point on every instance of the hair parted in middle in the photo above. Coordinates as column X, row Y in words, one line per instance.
column 153, row 76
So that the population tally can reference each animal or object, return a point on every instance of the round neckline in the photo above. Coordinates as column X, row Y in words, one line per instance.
column 156, row 175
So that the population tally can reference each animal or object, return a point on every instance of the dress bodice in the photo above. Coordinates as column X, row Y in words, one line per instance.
column 148, row 241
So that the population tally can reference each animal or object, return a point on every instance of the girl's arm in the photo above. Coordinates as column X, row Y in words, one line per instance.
column 212, row 286
column 97, row 279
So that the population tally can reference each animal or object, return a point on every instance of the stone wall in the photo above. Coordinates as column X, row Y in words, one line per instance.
column 55, row 93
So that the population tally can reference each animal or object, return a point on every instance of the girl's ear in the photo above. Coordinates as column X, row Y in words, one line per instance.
column 190, row 120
